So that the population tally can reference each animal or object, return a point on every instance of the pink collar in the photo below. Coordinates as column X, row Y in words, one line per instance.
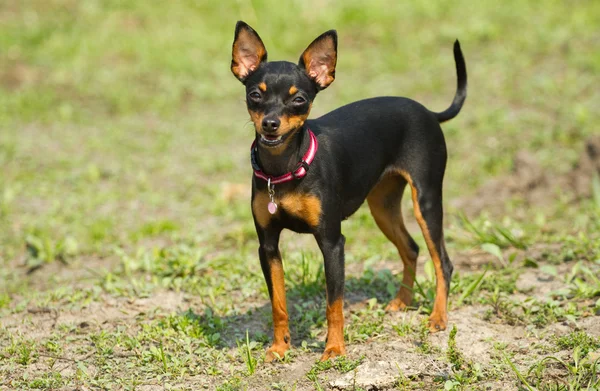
column 298, row 173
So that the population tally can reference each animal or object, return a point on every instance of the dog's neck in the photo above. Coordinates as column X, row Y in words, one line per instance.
column 280, row 161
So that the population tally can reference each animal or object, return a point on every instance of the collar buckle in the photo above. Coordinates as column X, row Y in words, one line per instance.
column 301, row 164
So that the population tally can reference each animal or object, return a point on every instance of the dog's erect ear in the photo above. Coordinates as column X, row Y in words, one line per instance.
column 319, row 59
column 248, row 51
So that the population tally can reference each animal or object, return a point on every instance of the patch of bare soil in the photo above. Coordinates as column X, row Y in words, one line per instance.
column 387, row 362
column 387, row 358
column 40, row 322
column 533, row 184
column 105, row 314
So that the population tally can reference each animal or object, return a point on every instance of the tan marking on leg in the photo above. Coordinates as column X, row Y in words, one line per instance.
column 293, row 90
column 439, row 316
column 306, row 207
column 335, row 330
column 281, row 331
column 262, row 86
column 392, row 225
column 259, row 208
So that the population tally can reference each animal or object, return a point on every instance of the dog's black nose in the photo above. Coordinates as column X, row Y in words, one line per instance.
column 270, row 125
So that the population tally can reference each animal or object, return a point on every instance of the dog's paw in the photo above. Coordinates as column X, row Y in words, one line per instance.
column 396, row 305
column 333, row 352
column 437, row 322
column 402, row 300
column 276, row 352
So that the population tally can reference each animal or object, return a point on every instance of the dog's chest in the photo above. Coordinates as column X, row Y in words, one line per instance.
column 291, row 206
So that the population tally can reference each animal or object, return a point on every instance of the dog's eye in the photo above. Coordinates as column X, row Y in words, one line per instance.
column 254, row 95
column 299, row 100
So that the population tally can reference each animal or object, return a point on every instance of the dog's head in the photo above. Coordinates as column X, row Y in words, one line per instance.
column 279, row 94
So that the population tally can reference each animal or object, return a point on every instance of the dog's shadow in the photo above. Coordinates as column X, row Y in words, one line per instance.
column 306, row 306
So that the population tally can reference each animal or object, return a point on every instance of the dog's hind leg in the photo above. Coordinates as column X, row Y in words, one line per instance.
column 331, row 242
column 385, row 203
column 427, row 200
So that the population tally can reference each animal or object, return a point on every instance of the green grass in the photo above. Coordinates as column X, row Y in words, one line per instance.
column 127, row 248
column 553, row 373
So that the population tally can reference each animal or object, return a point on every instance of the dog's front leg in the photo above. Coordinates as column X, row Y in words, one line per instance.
column 331, row 242
column 272, row 267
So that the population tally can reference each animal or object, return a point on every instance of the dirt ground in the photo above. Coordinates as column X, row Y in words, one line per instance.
column 384, row 362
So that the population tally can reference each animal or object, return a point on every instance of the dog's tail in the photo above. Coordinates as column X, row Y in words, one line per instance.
column 461, row 88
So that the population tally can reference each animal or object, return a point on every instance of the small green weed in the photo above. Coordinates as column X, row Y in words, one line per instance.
column 531, row 311
column 467, row 288
column 402, row 383
column 312, row 376
column 51, row 380
column 233, row 384
column 578, row 339
column 464, row 372
column 366, row 323
column 25, row 352
column 206, row 327
column 454, row 355
column 247, row 348
column 484, row 232
column 284, row 386
column 41, row 249
column 579, row 374
column 518, row 373
column 423, row 344
column 342, row 364
column 404, row 328
column 583, row 280
column 4, row 300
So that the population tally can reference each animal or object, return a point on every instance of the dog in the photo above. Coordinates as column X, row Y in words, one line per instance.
column 309, row 175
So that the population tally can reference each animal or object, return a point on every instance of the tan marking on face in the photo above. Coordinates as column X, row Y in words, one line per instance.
column 257, row 119
column 306, row 207
column 293, row 90
column 292, row 122
column 289, row 124
column 259, row 208
column 262, row 86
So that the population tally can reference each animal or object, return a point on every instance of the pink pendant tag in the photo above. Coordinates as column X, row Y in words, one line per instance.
column 272, row 207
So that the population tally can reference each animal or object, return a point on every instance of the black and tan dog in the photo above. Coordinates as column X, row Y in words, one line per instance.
column 312, row 174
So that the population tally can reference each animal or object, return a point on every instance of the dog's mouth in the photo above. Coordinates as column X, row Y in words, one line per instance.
column 272, row 141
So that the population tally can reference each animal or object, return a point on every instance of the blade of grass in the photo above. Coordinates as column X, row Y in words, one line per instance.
column 474, row 285
column 596, row 189
column 250, row 362
column 520, row 244
column 519, row 375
